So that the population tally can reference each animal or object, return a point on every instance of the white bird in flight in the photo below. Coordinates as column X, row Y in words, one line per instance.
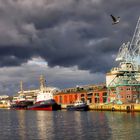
column 115, row 20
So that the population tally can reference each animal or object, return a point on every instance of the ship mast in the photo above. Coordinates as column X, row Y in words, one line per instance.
column 21, row 87
column 42, row 82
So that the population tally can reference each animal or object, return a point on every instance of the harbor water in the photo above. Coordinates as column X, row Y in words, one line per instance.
column 68, row 125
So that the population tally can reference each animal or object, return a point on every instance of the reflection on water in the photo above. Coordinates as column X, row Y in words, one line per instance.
column 81, row 125
column 68, row 125
column 22, row 124
column 44, row 124
column 124, row 125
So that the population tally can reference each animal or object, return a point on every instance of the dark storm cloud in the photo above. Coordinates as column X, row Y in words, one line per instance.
column 14, row 56
column 65, row 32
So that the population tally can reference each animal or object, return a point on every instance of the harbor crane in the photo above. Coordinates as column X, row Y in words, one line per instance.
column 128, row 73
column 130, row 52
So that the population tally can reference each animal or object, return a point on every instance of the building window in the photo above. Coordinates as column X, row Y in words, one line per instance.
column 105, row 94
column 82, row 95
column 96, row 100
column 76, row 97
column 104, row 99
column 128, row 96
column 65, row 99
column 128, row 89
column 134, row 89
column 60, row 99
column 91, row 88
column 96, row 94
column 134, row 96
column 70, row 99
column 90, row 94
column 121, row 89
column 89, row 100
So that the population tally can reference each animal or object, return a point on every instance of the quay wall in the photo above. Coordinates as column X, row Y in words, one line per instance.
column 112, row 107
column 115, row 107
column 4, row 106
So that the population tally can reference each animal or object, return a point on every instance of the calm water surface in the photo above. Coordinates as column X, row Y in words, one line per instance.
column 64, row 125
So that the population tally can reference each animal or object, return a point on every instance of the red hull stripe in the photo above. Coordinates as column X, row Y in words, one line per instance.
column 37, row 108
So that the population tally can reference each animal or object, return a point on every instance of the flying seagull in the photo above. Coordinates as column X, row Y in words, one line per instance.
column 115, row 20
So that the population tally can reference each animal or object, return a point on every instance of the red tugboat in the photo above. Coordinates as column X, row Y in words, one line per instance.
column 45, row 101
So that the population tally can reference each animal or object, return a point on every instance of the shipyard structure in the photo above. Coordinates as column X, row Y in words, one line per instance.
column 122, row 88
column 121, row 92
column 123, row 82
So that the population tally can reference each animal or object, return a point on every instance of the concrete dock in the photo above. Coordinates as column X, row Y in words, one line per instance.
column 112, row 107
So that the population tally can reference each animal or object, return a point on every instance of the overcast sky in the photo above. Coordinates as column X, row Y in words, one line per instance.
column 70, row 42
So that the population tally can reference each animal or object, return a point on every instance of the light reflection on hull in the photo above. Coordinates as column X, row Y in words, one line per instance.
column 43, row 109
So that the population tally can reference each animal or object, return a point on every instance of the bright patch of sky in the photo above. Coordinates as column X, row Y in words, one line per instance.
column 29, row 73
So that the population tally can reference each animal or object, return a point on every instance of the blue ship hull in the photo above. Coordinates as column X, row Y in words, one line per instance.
column 77, row 108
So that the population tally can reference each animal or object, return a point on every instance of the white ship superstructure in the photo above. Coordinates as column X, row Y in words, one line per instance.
column 32, row 94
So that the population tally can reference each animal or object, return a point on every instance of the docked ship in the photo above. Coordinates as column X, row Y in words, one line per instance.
column 41, row 99
column 79, row 105
column 45, row 101
column 20, row 105
column 21, row 101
